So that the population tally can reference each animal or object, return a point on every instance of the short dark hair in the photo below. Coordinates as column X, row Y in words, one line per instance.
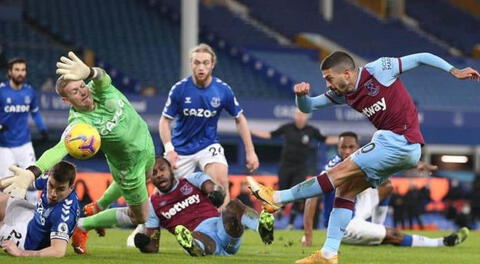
column 15, row 61
column 63, row 172
column 161, row 159
column 337, row 58
column 349, row 134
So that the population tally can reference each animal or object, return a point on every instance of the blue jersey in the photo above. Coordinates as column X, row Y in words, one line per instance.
column 15, row 105
column 51, row 221
column 197, row 111
column 329, row 197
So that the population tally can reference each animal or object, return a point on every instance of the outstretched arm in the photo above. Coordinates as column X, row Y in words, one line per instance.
column 412, row 61
column 74, row 69
column 57, row 249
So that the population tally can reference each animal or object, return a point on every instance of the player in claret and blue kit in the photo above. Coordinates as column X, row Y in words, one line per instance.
column 187, row 207
column 376, row 91
column 42, row 230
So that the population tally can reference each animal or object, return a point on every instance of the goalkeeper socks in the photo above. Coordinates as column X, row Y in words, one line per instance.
column 107, row 218
column 339, row 218
column 112, row 193
column 306, row 189
column 250, row 219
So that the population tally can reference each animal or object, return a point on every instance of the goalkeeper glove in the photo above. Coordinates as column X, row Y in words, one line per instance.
column 17, row 185
column 73, row 68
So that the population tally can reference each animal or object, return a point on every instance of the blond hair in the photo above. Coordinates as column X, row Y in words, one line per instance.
column 60, row 85
column 205, row 48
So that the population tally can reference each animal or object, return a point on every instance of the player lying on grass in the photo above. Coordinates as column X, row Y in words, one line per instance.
column 42, row 230
column 187, row 208
column 126, row 143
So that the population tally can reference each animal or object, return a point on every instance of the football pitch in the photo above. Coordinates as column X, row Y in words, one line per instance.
column 285, row 249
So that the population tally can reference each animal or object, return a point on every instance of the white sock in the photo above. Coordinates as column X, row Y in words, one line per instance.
column 421, row 241
column 123, row 220
column 327, row 253
column 379, row 215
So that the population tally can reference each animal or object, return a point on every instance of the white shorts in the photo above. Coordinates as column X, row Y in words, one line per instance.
column 22, row 156
column 365, row 203
column 186, row 164
column 17, row 216
column 361, row 232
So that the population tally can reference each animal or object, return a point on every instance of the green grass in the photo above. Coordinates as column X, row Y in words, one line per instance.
column 285, row 249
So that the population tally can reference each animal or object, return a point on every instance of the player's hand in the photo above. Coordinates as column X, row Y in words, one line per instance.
column 217, row 197
column 302, row 88
column 11, row 248
column 252, row 161
column 172, row 157
column 72, row 68
column 3, row 128
column 17, row 185
column 307, row 240
column 465, row 73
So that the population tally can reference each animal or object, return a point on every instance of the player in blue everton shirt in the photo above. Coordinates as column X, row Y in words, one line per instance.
column 196, row 103
column 17, row 101
column 44, row 230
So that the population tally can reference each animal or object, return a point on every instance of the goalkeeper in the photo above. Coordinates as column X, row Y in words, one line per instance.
column 126, row 143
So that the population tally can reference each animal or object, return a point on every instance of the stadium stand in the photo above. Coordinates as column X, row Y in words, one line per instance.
column 446, row 21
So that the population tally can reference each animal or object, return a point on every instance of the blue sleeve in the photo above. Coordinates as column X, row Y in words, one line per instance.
column 64, row 219
column 36, row 116
column 41, row 182
column 152, row 222
column 307, row 104
column 412, row 61
column 173, row 103
column 198, row 178
column 386, row 70
column 231, row 104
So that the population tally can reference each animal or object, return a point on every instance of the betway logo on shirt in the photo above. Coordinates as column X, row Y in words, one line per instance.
column 198, row 112
column 16, row 108
column 381, row 105
column 179, row 206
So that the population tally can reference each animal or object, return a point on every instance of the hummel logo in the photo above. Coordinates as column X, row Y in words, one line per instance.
column 188, row 100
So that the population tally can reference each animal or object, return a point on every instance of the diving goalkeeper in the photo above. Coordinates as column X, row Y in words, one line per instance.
column 126, row 143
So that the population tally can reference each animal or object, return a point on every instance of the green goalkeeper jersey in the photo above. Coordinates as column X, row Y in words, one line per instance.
column 123, row 132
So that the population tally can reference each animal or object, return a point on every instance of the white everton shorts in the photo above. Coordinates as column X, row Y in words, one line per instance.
column 18, row 214
column 22, row 156
column 361, row 232
column 186, row 164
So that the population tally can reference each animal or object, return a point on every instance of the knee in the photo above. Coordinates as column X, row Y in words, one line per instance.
column 139, row 218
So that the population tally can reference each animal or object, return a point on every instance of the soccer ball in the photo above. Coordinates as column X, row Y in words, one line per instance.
column 82, row 141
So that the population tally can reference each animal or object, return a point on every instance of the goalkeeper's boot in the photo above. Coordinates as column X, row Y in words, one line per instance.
column 316, row 257
column 91, row 209
column 185, row 239
column 456, row 237
column 265, row 194
column 265, row 227
column 79, row 241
